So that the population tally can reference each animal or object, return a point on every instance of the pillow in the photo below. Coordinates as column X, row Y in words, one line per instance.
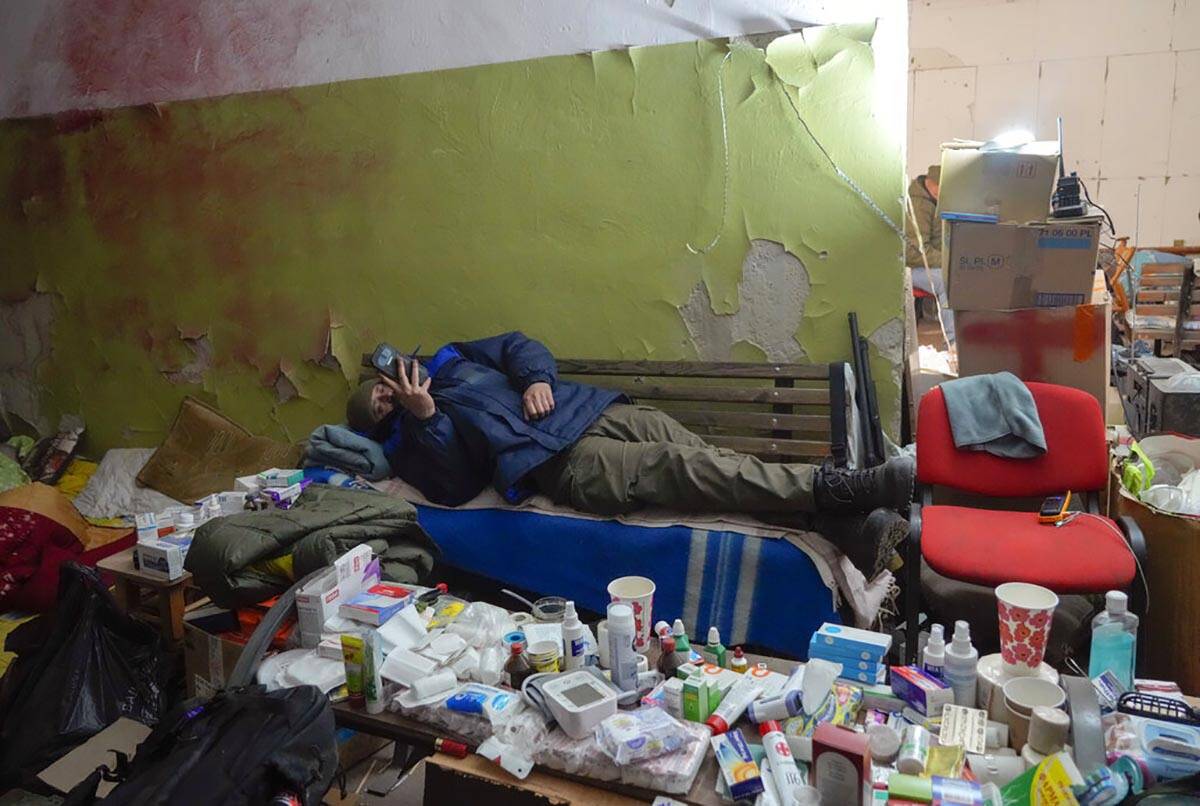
column 113, row 491
column 205, row 451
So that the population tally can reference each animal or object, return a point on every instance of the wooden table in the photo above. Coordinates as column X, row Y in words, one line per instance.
column 404, row 729
column 169, row 596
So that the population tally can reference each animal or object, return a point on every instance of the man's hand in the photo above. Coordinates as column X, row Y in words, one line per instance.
column 411, row 393
column 538, row 400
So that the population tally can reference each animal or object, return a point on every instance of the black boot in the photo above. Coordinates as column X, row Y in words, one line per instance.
column 868, row 541
column 889, row 485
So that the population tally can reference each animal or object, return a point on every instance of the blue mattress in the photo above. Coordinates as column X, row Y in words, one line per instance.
column 759, row 591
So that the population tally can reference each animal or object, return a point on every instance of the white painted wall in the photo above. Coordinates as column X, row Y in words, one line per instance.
column 71, row 54
column 1124, row 74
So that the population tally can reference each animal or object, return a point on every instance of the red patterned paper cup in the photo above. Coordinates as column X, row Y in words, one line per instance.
column 1025, row 612
column 638, row 593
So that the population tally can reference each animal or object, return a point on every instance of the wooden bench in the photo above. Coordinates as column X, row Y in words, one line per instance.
column 778, row 412
column 1166, row 307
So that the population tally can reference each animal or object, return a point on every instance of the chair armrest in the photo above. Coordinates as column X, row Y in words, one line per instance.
column 1137, row 544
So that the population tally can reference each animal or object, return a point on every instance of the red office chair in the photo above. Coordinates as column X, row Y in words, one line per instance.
column 1088, row 554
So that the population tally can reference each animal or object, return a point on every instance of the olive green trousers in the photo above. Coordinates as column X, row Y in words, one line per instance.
column 635, row 456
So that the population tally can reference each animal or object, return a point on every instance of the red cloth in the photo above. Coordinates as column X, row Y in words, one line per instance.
column 32, row 547
column 1076, row 455
column 988, row 547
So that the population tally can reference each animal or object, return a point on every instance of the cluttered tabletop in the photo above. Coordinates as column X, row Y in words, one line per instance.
column 638, row 707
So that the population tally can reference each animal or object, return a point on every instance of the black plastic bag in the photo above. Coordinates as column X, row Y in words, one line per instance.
column 241, row 748
column 78, row 669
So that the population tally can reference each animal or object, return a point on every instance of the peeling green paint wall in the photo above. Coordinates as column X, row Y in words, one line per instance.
column 247, row 248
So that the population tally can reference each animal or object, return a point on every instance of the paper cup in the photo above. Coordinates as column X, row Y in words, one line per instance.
column 1025, row 614
column 1021, row 696
column 638, row 593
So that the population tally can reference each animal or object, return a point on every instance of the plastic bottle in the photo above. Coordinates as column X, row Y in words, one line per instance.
column 738, row 662
column 714, row 647
column 682, row 645
column 574, row 636
column 518, row 666
column 962, row 665
column 1114, row 640
column 668, row 661
column 621, row 656
column 933, row 659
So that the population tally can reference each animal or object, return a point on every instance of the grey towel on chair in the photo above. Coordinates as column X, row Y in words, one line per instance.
column 994, row 413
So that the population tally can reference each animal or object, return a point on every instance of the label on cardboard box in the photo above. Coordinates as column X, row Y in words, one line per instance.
column 1007, row 266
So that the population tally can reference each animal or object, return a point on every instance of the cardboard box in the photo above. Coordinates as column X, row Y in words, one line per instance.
column 998, row 185
column 1007, row 266
column 1070, row 346
column 318, row 601
column 162, row 558
column 208, row 660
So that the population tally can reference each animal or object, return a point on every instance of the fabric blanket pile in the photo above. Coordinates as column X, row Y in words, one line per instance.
column 242, row 559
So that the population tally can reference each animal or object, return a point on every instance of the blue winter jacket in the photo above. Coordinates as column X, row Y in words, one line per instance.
column 479, row 434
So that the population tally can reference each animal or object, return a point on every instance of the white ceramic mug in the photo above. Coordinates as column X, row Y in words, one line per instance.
column 638, row 593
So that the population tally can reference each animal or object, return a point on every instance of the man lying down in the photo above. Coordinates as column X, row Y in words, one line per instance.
column 494, row 412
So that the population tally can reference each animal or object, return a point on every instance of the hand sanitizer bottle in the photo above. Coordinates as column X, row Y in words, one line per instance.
column 1114, row 640
column 962, row 665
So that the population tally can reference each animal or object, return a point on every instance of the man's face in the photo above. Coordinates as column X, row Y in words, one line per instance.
column 932, row 184
column 381, row 401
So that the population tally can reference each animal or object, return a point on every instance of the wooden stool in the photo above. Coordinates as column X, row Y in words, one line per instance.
column 169, row 599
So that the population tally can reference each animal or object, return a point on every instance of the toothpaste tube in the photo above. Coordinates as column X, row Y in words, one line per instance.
column 737, row 765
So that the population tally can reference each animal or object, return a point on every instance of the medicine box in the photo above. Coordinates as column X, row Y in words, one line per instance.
column 376, row 604
column 317, row 601
column 925, row 694
column 163, row 558
column 246, row 484
column 864, row 644
column 276, row 477
column 700, row 698
column 840, row 765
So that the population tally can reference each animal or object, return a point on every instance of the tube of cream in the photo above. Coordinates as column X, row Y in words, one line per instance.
column 734, row 704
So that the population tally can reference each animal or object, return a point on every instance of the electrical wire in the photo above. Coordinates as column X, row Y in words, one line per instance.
column 1111, row 226
column 1113, row 527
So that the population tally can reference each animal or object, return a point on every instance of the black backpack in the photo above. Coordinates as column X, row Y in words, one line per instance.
column 243, row 746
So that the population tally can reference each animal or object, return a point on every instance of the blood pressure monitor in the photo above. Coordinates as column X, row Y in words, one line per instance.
column 578, row 701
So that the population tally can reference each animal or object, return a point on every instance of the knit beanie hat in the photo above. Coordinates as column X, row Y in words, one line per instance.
column 358, row 408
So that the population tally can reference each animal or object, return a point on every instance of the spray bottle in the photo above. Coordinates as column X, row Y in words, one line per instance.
column 574, row 636
column 933, row 659
column 962, row 665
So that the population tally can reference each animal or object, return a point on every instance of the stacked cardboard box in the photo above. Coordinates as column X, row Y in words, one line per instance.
column 1025, row 291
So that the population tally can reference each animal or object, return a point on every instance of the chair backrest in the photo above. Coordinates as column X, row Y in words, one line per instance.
column 1166, row 303
column 1076, row 455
